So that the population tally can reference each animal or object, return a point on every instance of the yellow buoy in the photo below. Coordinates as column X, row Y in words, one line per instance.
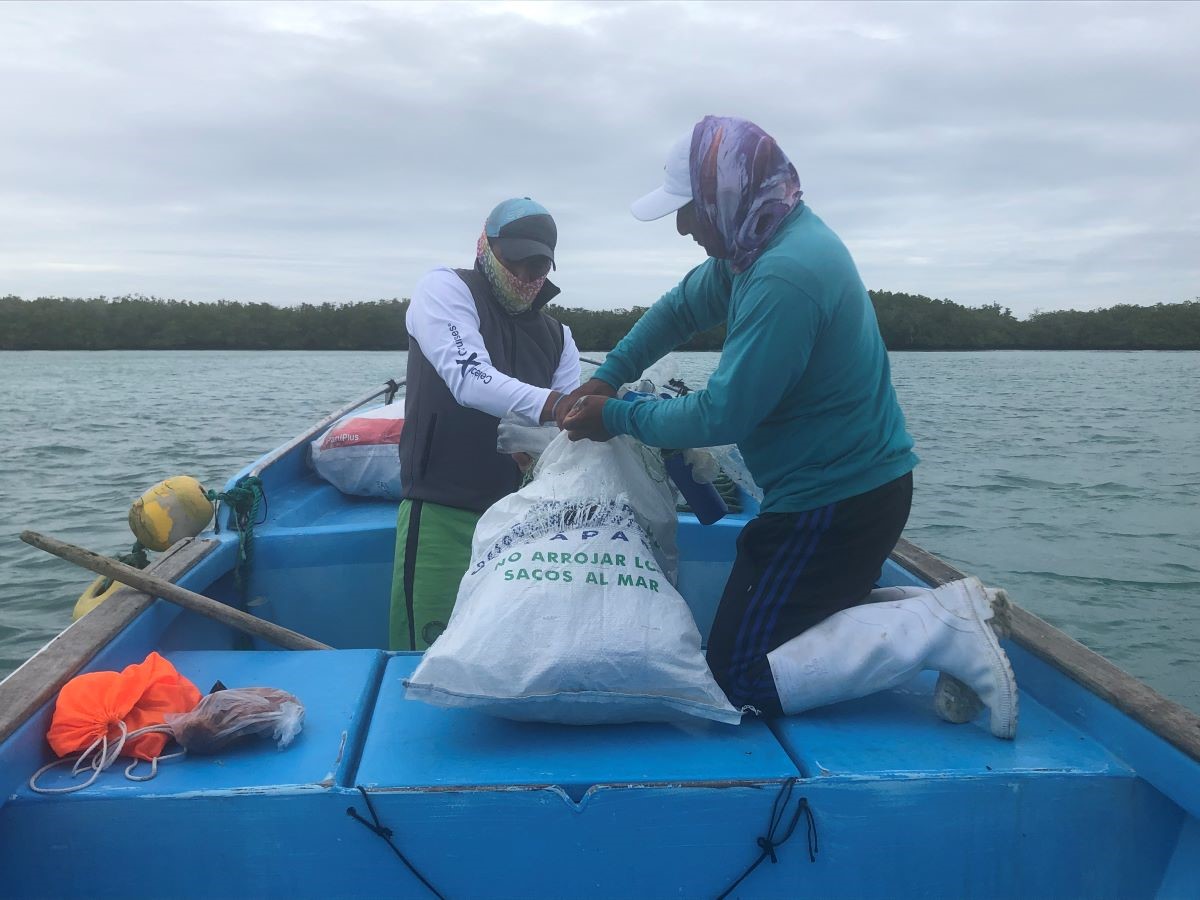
column 170, row 511
column 97, row 592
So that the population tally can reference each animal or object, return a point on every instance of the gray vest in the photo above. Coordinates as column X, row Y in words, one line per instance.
column 447, row 451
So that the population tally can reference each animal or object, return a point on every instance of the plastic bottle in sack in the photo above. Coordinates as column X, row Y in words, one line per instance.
column 702, row 498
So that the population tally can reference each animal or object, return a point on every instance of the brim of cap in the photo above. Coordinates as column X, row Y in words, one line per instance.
column 658, row 203
column 522, row 248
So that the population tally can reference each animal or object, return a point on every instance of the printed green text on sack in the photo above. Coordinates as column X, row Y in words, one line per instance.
column 539, row 575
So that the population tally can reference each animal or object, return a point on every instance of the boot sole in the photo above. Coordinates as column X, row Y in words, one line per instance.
column 953, row 699
column 1007, row 701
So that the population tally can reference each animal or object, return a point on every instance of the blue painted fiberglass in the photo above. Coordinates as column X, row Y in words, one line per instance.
column 1088, row 801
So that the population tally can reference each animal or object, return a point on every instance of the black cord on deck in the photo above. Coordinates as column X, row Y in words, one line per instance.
column 769, row 842
column 386, row 833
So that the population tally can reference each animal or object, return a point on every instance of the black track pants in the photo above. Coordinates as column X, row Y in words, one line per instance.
column 792, row 571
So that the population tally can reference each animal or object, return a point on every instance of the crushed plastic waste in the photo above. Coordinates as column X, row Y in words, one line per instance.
column 729, row 459
column 225, row 717
column 662, row 380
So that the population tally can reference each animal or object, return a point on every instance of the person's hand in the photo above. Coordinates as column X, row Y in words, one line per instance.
column 523, row 461
column 593, row 387
column 585, row 420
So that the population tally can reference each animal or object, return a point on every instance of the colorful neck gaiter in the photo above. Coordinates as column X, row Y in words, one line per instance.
column 744, row 186
column 515, row 295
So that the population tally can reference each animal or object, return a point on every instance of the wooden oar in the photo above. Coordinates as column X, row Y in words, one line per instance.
column 158, row 587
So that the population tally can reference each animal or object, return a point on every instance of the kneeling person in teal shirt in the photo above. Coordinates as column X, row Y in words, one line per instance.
column 803, row 387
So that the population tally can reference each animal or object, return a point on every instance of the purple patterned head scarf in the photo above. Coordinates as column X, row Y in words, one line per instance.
column 743, row 186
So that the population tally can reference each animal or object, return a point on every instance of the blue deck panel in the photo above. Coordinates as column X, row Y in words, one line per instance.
column 337, row 689
column 415, row 745
column 897, row 734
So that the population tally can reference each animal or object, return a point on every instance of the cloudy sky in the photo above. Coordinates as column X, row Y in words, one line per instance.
column 1036, row 154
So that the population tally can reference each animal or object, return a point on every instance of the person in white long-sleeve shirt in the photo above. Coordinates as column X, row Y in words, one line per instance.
column 480, row 348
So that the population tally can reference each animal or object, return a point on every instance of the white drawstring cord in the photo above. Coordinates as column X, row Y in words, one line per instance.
column 89, row 759
column 153, row 766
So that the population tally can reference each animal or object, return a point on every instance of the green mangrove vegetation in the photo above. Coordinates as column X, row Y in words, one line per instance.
column 907, row 322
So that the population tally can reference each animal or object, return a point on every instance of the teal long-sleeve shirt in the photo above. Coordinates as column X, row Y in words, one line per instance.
column 803, row 386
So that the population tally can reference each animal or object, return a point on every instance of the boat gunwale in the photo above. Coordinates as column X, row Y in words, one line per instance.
column 1174, row 723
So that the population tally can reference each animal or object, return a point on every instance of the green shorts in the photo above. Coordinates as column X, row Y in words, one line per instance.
column 433, row 550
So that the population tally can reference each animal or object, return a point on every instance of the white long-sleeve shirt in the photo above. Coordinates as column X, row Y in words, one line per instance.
column 442, row 319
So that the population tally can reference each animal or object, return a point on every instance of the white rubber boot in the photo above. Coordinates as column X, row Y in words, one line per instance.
column 954, row 701
column 885, row 642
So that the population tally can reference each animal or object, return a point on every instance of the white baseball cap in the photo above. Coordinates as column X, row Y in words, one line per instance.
column 676, row 190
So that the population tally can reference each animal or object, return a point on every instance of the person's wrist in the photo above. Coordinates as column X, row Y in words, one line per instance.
column 553, row 417
column 603, row 387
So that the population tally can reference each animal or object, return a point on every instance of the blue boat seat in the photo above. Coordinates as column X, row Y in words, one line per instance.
column 413, row 745
column 336, row 688
column 897, row 734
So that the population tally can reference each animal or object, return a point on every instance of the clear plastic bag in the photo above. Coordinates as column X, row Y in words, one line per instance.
column 513, row 436
column 705, row 468
column 730, row 461
column 235, row 713
column 707, row 462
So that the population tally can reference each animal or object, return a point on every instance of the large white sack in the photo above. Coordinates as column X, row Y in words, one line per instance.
column 360, row 453
column 567, row 613
column 574, row 472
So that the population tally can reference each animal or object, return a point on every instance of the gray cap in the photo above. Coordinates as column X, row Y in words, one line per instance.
column 521, row 228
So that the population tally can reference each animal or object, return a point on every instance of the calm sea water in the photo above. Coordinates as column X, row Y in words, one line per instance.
column 1071, row 479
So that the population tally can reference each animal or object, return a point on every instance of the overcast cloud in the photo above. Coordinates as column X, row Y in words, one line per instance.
column 1035, row 154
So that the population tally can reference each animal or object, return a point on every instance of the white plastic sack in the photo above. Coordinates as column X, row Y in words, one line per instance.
column 360, row 454
column 568, row 612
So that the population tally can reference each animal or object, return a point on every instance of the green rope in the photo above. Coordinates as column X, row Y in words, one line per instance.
column 246, row 498
column 136, row 557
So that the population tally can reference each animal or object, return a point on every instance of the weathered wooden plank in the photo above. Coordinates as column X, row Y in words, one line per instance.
column 1166, row 718
column 924, row 564
column 1135, row 698
column 173, row 593
column 44, row 674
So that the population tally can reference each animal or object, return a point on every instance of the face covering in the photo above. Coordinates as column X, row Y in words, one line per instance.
column 515, row 295
column 744, row 186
